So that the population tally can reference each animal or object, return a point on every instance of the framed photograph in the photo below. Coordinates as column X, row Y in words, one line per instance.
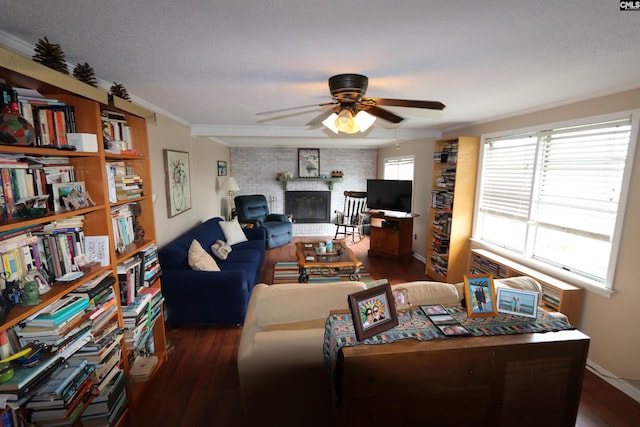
column 222, row 168
column 515, row 301
column 480, row 295
column 443, row 319
column 373, row 311
column 308, row 162
column 68, row 195
column 177, row 181
column 433, row 309
column 453, row 330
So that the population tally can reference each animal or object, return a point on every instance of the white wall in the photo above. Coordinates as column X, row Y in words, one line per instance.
column 423, row 167
column 612, row 323
column 206, row 197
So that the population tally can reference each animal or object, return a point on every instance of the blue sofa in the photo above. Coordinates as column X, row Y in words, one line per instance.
column 210, row 297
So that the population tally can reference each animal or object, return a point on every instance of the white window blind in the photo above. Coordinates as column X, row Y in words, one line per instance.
column 399, row 168
column 554, row 195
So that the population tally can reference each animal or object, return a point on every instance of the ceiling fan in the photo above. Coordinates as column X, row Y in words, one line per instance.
column 351, row 112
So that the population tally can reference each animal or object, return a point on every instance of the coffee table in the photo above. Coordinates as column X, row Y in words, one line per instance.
column 341, row 260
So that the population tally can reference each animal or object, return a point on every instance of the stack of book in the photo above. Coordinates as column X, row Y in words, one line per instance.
column 126, row 184
column 62, row 400
column 142, row 368
column 51, row 119
column 137, row 311
column 109, row 402
column 115, row 132
column 122, row 219
column 151, row 265
column 130, row 279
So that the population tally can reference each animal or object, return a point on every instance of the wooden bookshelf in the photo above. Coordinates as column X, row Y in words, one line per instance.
column 90, row 167
column 453, row 188
column 556, row 294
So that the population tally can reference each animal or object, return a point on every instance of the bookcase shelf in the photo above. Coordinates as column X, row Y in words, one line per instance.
column 452, row 197
column 90, row 167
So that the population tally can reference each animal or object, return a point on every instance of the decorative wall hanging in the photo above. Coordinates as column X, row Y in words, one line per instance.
column 308, row 162
column 177, row 182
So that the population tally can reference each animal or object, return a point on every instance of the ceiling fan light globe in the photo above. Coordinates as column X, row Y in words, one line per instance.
column 364, row 120
column 330, row 123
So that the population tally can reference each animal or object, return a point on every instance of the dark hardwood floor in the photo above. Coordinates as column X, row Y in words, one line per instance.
column 199, row 384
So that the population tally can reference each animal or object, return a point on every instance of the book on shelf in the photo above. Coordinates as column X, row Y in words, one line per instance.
column 94, row 287
column 110, row 419
column 106, row 400
column 59, row 311
column 26, row 377
column 53, row 389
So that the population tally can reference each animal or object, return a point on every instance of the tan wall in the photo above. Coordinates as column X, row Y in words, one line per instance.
column 423, row 167
column 612, row 323
column 206, row 197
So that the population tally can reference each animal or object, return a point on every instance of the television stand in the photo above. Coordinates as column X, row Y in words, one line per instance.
column 391, row 234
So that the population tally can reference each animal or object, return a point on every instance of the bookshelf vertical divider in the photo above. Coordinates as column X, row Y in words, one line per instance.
column 19, row 71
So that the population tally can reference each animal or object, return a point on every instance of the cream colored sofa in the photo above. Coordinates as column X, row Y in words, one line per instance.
column 280, row 357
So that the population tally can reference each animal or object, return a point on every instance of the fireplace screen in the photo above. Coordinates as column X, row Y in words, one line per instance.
column 308, row 206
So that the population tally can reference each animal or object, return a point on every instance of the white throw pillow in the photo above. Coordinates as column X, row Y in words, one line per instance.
column 233, row 232
column 199, row 259
column 221, row 249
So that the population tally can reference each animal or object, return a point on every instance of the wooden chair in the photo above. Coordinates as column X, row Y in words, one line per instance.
column 351, row 218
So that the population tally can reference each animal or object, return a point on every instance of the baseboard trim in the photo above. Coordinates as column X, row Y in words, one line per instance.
column 620, row 384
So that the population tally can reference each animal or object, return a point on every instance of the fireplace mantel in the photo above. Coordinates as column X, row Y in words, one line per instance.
column 330, row 180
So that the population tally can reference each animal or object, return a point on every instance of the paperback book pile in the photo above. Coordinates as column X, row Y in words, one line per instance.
column 51, row 119
column 64, row 397
column 27, row 181
column 115, row 132
column 135, row 312
column 126, row 184
column 109, row 402
column 122, row 219
column 151, row 265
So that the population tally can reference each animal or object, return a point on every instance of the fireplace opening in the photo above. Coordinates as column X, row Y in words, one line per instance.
column 308, row 206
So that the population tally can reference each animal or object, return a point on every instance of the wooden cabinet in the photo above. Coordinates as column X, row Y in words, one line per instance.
column 509, row 380
column 556, row 294
column 455, row 165
column 90, row 167
column 391, row 236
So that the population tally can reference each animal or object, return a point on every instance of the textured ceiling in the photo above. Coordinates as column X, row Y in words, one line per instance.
column 214, row 64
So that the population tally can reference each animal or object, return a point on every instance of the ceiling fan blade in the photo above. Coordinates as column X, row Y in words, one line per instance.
column 281, row 110
column 383, row 114
column 432, row 105
column 322, row 116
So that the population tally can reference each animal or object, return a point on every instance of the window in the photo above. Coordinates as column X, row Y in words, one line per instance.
column 556, row 197
column 399, row 167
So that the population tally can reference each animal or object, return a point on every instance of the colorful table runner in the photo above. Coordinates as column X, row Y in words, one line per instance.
column 339, row 330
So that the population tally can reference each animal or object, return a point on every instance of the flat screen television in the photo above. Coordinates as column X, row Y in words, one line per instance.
column 389, row 195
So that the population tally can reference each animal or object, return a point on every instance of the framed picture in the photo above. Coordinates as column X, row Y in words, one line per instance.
column 177, row 181
column 515, row 301
column 433, row 309
column 308, row 162
column 222, row 168
column 69, row 195
column 373, row 311
column 480, row 295
column 453, row 330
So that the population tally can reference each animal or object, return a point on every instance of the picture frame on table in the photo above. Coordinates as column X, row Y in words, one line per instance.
column 373, row 311
column 308, row 162
column 518, row 302
column 453, row 330
column 480, row 295
column 222, row 168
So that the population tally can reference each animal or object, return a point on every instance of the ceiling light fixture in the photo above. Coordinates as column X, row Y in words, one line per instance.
column 345, row 121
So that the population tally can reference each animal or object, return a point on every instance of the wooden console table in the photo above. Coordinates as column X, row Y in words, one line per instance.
column 508, row 380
